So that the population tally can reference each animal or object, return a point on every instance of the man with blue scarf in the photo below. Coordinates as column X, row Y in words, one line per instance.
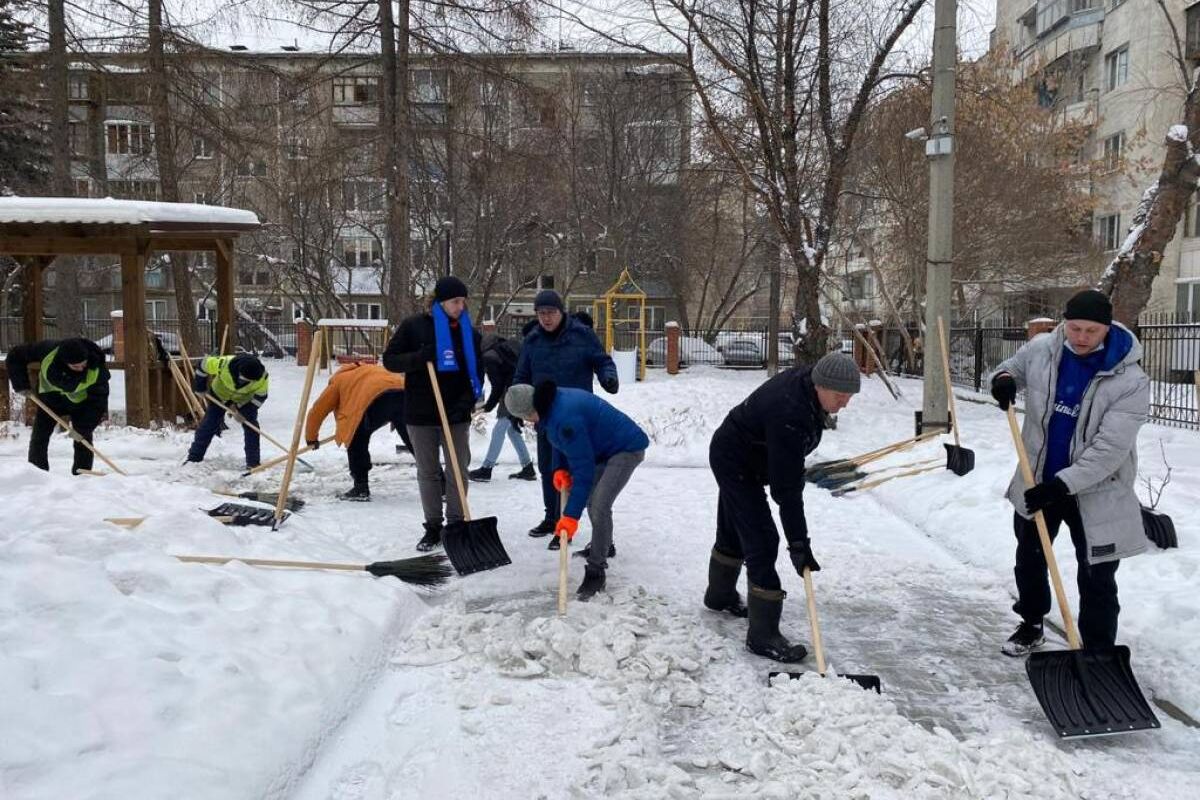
column 1086, row 398
column 444, row 337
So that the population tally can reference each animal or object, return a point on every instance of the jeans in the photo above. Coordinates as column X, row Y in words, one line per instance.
column 611, row 477
column 210, row 426
column 545, row 459
column 504, row 427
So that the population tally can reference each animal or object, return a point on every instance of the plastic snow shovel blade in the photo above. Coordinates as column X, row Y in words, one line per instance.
column 1089, row 692
column 868, row 682
column 245, row 515
column 836, row 480
column 474, row 546
column 959, row 460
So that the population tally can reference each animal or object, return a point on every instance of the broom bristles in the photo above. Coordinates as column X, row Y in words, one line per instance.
column 430, row 570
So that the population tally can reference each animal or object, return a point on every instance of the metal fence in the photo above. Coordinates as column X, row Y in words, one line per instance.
column 266, row 337
column 1171, row 357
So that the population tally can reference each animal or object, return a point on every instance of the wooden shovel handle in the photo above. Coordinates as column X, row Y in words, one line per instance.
column 270, row 562
column 274, row 462
column 946, row 374
column 441, row 407
column 811, row 598
column 564, row 544
column 1044, row 535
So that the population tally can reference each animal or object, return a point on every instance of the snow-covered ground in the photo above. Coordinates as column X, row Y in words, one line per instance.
column 128, row 674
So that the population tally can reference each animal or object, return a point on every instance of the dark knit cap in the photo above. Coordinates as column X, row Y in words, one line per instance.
column 251, row 369
column 1090, row 305
column 73, row 351
column 837, row 372
column 448, row 288
column 548, row 298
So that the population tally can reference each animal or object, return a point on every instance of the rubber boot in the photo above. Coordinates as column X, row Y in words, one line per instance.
column 721, row 594
column 765, row 607
column 432, row 537
column 593, row 582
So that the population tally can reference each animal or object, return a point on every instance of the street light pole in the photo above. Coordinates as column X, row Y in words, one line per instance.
column 939, row 148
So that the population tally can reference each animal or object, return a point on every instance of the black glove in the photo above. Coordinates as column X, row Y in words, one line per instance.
column 801, row 555
column 610, row 384
column 313, row 444
column 429, row 353
column 1045, row 495
column 1004, row 389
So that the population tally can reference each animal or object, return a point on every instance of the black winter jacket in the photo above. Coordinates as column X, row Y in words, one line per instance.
column 405, row 354
column 765, row 439
column 96, row 400
column 500, row 363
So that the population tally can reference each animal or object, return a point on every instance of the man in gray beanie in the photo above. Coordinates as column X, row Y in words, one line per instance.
column 763, row 443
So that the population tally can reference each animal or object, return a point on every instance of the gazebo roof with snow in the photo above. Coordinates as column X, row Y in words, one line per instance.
column 35, row 230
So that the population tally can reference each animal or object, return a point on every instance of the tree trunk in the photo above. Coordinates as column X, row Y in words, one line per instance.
column 68, row 308
column 168, row 173
column 394, row 129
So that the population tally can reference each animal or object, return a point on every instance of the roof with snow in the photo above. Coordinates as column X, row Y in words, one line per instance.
column 107, row 211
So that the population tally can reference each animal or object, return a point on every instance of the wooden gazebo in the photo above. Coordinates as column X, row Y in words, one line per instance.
column 35, row 230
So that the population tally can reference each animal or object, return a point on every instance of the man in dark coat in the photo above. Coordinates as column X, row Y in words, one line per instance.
column 763, row 442
column 564, row 350
column 72, row 382
column 442, row 336
column 500, row 358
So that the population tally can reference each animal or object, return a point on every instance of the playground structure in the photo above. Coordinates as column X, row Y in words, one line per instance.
column 621, row 311
column 349, row 341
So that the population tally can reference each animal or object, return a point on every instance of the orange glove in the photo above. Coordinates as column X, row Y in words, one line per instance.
column 567, row 525
column 562, row 479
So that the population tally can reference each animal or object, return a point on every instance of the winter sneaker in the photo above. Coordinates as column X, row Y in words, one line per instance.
column 1026, row 638
column 361, row 493
column 482, row 474
column 586, row 552
column 543, row 528
column 763, row 638
column 526, row 473
column 721, row 594
column 555, row 543
column 432, row 537
column 593, row 581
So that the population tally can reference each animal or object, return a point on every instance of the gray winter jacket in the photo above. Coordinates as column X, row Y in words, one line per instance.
column 1103, row 450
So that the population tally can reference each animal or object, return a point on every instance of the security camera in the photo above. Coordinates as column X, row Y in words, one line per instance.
column 916, row 134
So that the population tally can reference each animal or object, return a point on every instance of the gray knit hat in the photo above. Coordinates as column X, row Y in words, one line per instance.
column 519, row 400
column 837, row 372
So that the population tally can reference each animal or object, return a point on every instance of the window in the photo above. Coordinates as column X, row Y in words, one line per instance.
column 129, row 139
column 202, row 198
column 361, row 251
column 355, row 91
column 363, row 196
column 204, row 313
column 654, row 150
column 860, row 286
column 77, row 87
column 1108, row 231
column 251, row 167
column 205, row 259
column 249, row 276
column 1116, row 68
column 296, row 148
column 91, row 308
column 298, row 311
column 79, row 140
column 156, row 309
column 366, row 310
column 1187, row 299
column 545, row 281
column 156, row 277
column 656, row 318
column 133, row 190
column 490, row 92
column 1114, row 150
column 427, row 92
column 83, row 187
column 202, row 147
column 1192, row 36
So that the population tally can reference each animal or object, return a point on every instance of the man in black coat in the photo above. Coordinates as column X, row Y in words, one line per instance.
column 500, row 363
column 763, row 442
column 72, row 382
column 460, row 379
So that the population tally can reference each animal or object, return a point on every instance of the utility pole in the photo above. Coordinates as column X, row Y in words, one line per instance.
column 939, row 149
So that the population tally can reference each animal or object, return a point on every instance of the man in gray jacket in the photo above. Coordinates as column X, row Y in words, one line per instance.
column 1085, row 400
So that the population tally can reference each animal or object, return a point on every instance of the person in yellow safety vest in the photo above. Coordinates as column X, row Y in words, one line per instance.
column 72, row 382
column 240, row 383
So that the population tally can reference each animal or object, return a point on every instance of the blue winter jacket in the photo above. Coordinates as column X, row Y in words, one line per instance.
column 585, row 431
column 569, row 357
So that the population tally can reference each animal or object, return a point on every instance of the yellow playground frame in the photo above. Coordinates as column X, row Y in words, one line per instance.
column 623, row 296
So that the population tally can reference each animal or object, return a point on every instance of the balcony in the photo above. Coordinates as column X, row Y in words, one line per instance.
column 1080, row 34
column 356, row 116
column 1082, row 112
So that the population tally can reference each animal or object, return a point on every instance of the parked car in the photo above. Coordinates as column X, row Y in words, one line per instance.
column 743, row 353
column 744, row 342
column 170, row 342
column 692, row 351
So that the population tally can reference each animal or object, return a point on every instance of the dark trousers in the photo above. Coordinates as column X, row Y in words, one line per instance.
column 745, row 527
column 84, row 422
column 1098, row 606
column 545, row 458
column 386, row 409
column 210, row 426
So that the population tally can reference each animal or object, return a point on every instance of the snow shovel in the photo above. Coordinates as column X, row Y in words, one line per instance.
column 865, row 681
column 917, row 469
column 473, row 545
column 824, row 470
column 959, row 459
column 1082, row 692
column 74, row 434
column 239, row 514
column 238, row 418
column 430, row 570
column 270, row 498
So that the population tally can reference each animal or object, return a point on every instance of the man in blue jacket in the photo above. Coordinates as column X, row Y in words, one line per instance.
column 564, row 350
column 596, row 448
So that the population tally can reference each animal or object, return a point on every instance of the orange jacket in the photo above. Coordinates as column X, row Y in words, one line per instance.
column 351, row 389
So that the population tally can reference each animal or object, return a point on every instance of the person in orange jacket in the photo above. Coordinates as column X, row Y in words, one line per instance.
column 363, row 398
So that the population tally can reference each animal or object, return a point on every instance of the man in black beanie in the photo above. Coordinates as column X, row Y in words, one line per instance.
column 763, row 443
column 72, row 382
column 1086, row 398
column 442, row 336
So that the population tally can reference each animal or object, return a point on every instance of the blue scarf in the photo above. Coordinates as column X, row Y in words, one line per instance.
column 447, row 361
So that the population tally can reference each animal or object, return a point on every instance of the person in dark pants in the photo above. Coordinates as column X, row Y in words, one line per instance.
column 500, row 358
column 72, row 382
column 564, row 350
column 763, row 442
column 442, row 336
column 363, row 398
column 1086, row 398
column 240, row 382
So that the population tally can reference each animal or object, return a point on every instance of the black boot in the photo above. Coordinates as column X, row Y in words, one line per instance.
column 432, row 537
column 763, row 638
column 593, row 581
column 526, row 473
column 543, row 528
column 481, row 474
column 586, row 552
column 721, row 594
column 361, row 492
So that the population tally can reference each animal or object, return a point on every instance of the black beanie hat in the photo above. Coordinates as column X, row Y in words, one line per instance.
column 72, row 351
column 448, row 288
column 548, row 298
column 1090, row 305
column 252, row 369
